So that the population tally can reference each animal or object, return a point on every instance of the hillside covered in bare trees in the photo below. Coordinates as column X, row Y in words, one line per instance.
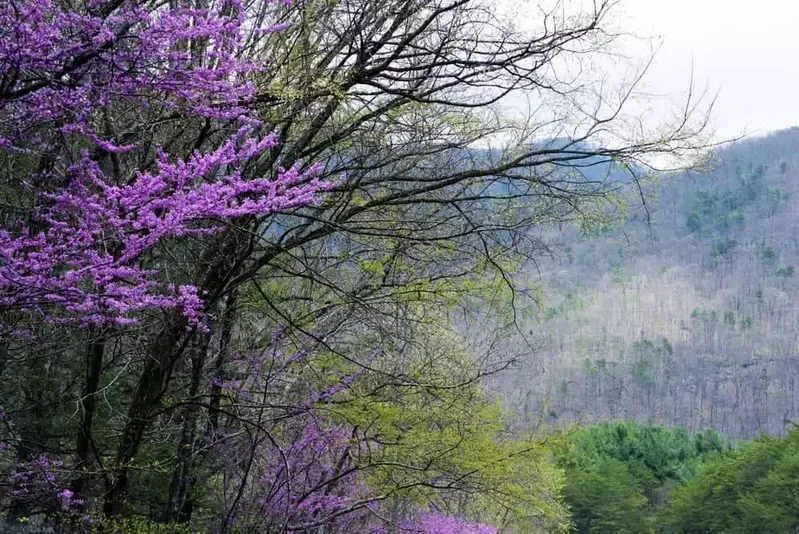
column 686, row 312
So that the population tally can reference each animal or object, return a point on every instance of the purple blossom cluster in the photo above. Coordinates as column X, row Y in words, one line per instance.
column 38, row 481
column 60, row 65
column 78, row 256
column 437, row 523
column 306, row 470
column 88, row 259
column 35, row 474
column 312, row 476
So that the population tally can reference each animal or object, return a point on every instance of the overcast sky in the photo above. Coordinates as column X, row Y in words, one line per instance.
column 747, row 50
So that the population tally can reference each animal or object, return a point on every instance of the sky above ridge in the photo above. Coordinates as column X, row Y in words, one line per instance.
column 747, row 52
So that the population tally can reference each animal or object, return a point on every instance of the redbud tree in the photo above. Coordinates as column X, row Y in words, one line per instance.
column 98, row 193
column 79, row 252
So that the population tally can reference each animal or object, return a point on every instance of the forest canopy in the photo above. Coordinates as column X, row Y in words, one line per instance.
column 641, row 477
column 259, row 260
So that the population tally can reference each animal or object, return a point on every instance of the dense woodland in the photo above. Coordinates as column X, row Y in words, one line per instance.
column 641, row 477
column 685, row 312
column 299, row 267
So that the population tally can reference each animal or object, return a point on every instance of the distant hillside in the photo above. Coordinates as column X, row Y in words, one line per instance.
column 687, row 313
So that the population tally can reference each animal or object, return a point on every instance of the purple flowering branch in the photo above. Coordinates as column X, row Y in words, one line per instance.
column 305, row 470
column 78, row 258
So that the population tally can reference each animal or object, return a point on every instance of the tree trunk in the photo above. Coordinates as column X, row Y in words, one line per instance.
column 164, row 353
column 225, row 335
column 219, row 262
column 182, row 477
column 88, row 402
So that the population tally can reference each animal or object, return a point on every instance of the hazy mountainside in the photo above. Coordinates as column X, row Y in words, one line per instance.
column 687, row 313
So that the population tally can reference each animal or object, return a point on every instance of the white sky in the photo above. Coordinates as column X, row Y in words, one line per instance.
column 746, row 50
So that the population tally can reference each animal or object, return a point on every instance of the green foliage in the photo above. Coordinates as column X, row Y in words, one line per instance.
column 606, row 499
column 775, row 198
column 702, row 313
column 621, row 275
column 431, row 434
column 723, row 249
column 618, row 474
column 753, row 489
column 751, row 185
column 591, row 367
column 731, row 318
column 641, row 373
column 572, row 301
column 603, row 216
column 715, row 212
column 648, row 356
column 786, row 272
column 718, row 212
column 645, row 348
column 768, row 255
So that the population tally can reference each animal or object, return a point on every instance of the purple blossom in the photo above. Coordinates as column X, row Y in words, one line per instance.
column 434, row 523
column 68, row 500
column 38, row 480
column 84, row 262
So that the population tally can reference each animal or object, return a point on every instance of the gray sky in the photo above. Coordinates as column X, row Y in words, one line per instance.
column 746, row 50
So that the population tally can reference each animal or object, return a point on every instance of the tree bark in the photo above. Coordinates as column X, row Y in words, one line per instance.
column 164, row 353
column 177, row 511
column 88, row 402
column 225, row 335
column 217, row 263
